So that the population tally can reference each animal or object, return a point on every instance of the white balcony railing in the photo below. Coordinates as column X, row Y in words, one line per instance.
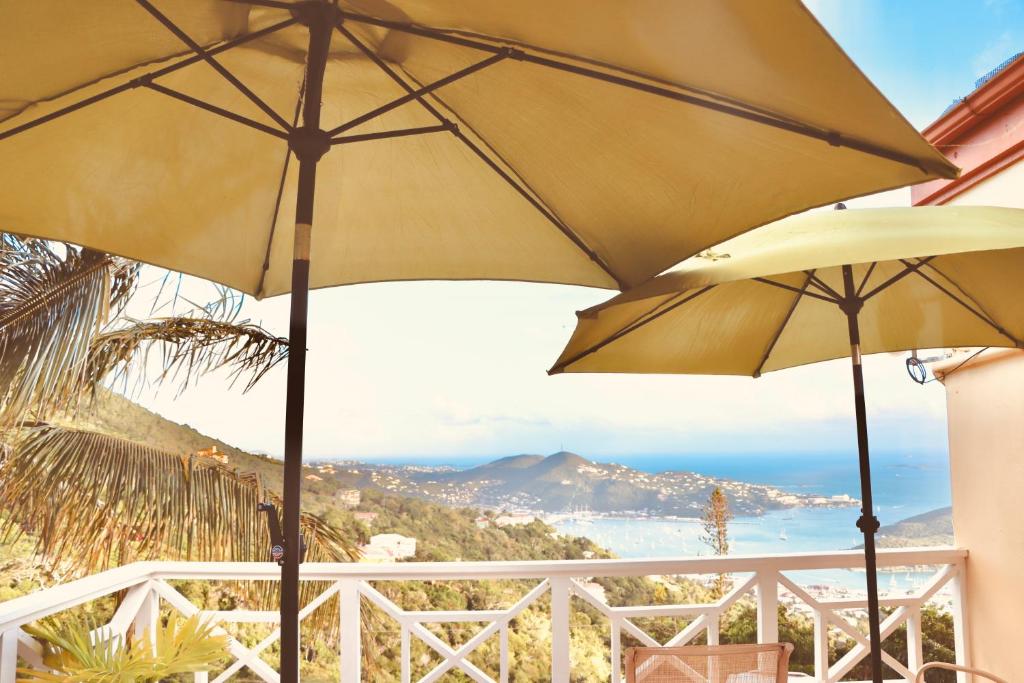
column 766, row 578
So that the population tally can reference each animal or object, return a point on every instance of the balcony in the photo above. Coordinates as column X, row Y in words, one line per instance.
column 557, row 588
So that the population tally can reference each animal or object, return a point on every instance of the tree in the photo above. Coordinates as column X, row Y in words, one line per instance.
column 91, row 500
column 715, row 521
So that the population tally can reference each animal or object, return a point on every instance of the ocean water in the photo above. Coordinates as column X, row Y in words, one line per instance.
column 904, row 484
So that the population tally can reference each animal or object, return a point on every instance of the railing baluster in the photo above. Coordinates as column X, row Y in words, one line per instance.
column 915, row 646
column 146, row 618
column 821, row 622
column 406, row 655
column 351, row 631
column 559, row 629
column 960, row 627
column 767, row 606
column 503, row 655
column 8, row 655
column 714, row 626
column 616, row 626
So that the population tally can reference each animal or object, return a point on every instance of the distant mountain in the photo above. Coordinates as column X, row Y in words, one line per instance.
column 568, row 482
column 930, row 528
column 561, row 482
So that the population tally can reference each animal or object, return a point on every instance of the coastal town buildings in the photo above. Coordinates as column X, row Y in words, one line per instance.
column 213, row 453
column 365, row 517
column 513, row 518
column 388, row 548
column 348, row 498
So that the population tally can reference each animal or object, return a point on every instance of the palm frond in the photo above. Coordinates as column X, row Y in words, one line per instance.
column 94, row 500
column 71, row 650
column 53, row 299
column 188, row 346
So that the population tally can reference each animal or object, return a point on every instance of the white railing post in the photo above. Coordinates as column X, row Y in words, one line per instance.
column 767, row 606
column 503, row 655
column 351, row 631
column 820, row 646
column 8, row 655
column 616, row 625
column 406, row 655
column 915, row 644
column 714, row 626
column 960, row 626
column 145, row 622
column 559, row 629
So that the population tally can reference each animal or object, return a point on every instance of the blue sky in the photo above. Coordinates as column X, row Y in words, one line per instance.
column 923, row 54
column 406, row 369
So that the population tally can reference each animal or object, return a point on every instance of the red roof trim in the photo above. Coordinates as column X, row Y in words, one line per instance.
column 973, row 134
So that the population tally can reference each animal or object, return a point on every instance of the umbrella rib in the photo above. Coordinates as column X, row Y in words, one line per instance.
column 410, row 94
column 238, row 118
column 141, row 81
column 785, row 321
column 980, row 314
column 217, row 66
column 820, row 284
column 833, row 138
column 275, row 4
column 963, row 291
column 644, row 319
column 796, row 290
column 385, row 134
column 529, row 195
column 867, row 276
column 518, row 184
column 910, row 268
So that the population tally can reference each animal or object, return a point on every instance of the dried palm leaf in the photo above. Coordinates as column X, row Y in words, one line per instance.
column 53, row 300
column 71, row 650
column 189, row 348
column 94, row 501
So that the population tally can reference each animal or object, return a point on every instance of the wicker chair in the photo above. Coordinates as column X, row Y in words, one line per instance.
column 709, row 664
column 953, row 667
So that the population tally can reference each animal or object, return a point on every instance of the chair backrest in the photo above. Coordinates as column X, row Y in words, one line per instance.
column 953, row 667
column 767, row 663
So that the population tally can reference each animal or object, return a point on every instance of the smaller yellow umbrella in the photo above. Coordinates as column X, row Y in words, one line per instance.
column 815, row 287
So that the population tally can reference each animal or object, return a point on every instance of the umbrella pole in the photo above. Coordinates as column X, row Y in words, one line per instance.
column 308, row 143
column 868, row 523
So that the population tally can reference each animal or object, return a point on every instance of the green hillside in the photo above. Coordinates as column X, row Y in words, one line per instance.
column 114, row 414
column 930, row 528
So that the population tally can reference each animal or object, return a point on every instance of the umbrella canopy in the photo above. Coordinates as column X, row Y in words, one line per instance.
column 814, row 287
column 592, row 143
column 719, row 313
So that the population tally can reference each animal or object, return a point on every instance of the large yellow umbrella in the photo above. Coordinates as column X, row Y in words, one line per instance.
column 815, row 287
column 589, row 142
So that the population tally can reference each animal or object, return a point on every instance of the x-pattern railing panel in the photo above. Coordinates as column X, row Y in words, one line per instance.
column 147, row 586
column 412, row 622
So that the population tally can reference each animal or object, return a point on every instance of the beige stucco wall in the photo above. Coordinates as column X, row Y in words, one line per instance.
column 985, row 405
column 1006, row 188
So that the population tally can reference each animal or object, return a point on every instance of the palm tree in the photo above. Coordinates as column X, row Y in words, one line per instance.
column 92, row 500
